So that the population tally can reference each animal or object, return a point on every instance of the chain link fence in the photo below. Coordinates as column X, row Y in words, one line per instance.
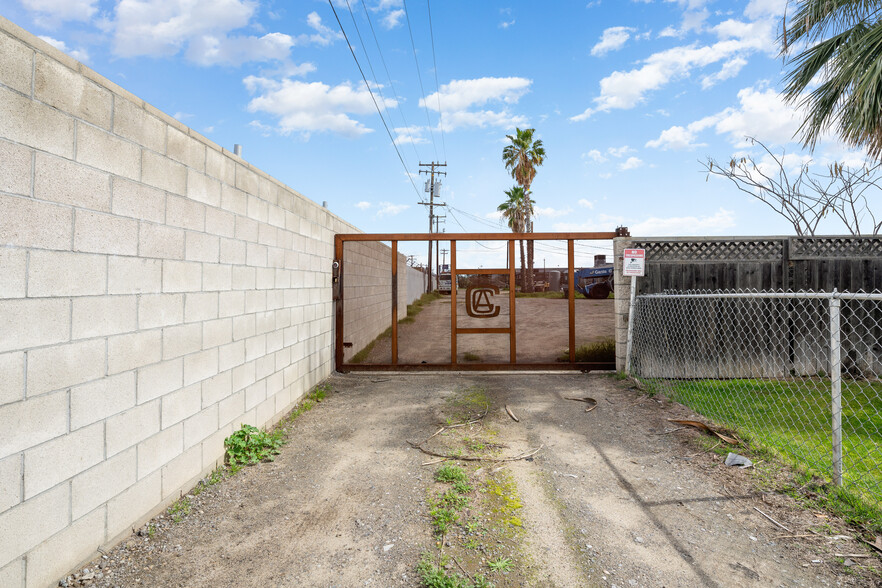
column 798, row 373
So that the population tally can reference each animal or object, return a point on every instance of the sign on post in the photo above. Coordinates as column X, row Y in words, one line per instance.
column 634, row 263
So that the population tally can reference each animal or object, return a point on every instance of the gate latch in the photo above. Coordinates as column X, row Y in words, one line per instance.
column 335, row 279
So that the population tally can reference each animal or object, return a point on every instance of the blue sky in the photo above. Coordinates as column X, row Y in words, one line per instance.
column 627, row 96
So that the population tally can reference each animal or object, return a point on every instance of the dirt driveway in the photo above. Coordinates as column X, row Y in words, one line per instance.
column 614, row 497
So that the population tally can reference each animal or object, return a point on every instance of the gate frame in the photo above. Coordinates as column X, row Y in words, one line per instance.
column 394, row 238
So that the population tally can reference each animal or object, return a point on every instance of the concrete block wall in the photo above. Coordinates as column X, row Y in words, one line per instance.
column 156, row 291
column 621, row 308
column 416, row 284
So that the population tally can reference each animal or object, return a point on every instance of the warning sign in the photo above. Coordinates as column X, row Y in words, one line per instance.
column 634, row 263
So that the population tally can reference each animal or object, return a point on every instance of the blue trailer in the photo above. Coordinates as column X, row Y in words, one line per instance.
column 594, row 282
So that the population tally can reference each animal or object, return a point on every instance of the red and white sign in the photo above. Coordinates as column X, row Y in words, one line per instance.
column 634, row 263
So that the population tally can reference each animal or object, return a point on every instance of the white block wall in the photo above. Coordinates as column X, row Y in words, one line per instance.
column 156, row 291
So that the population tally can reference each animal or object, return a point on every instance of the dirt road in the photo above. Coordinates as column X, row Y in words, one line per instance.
column 614, row 497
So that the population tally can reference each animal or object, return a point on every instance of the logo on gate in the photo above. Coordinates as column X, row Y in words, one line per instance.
column 479, row 304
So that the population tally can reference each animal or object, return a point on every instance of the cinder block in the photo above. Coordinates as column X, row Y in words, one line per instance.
column 186, row 149
column 102, row 150
column 231, row 409
column 67, row 90
column 181, row 404
column 130, row 507
column 199, row 426
column 200, row 366
column 137, row 201
column 29, row 523
column 37, row 420
column 231, row 355
column 102, row 233
column 219, row 166
column 63, row 366
column 200, row 306
column 265, row 278
column 183, row 469
column 163, row 173
column 265, row 411
column 98, row 400
column 131, row 121
column 217, row 277
column 232, row 251
column 219, row 222
column 13, row 574
column 217, row 332
column 127, row 352
column 131, row 427
column 34, row 124
column 231, row 303
column 158, row 450
column 61, row 273
column 264, row 366
column 67, row 182
column 274, row 341
column 236, row 201
column 132, row 275
column 97, row 316
column 256, row 255
column 247, row 229
column 267, row 235
column 12, row 382
column 257, row 209
column 213, row 447
column 255, row 394
column 246, row 180
column 202, row 247
column 181, row 276
column 244, row 278
column 185, row 213
column 244, row 326
column 202, row 188
column 16, row 69
column 255, row 301
column 159, row 379
column 160, row 241
column 53, row 558
column 102, row 482
column 179, row 340
column 29, row 223
column 15, row 173
column 13, row 273
column 10, row 482
column 62, row 458
column 217, row 388
column 243, row 376
column 160, row 310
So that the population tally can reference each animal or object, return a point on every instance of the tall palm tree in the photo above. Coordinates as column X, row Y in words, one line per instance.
column 515, row 211
column 521, row 158
column 844, row 59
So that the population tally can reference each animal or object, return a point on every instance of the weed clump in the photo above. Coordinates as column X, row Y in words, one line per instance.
column 249, row 445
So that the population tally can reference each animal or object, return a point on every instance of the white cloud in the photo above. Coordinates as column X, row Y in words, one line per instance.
column 78, row 54
column 393, row 19
column 680, row 138
column 212, row 50
column 631, row 163
column 312, row 107
column 460, row 97
column 595, row 156
column 51, row 13
column 389, row 209
column 612, row 39
column 506, row 23
column 715, row 224
column 620, row 151
column 585, row 203
column 411, row 134
column 363, row 205
column 730, row 69
column 550, row 212
column 761, row 114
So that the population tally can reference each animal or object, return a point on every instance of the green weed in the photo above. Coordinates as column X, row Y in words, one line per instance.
column 249, row 445
column 502, row 564
column 600, row 351
column 451, row 473
column 179, row 510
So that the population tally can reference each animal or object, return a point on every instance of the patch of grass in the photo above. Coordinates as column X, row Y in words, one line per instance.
column 179, row 510
column 435, row 576
column 454, row 500
column 249, row 445
column 442, row 519
column 501, row 564
column 600, row 351
column 790, row 421
column 469, row 356
column 451, row 473
column 462, row 487
column 550, row 295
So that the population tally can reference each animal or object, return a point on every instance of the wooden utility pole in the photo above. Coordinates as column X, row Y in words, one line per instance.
column 430, row 188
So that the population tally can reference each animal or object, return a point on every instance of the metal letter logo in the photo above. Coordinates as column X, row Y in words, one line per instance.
column 478, row 302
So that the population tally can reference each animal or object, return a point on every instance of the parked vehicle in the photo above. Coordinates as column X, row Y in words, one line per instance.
column 444, row 284
column 594, row 282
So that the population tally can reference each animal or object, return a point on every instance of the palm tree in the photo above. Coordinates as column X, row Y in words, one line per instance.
column 844, row 59
column 515, row 211
column 521, row 158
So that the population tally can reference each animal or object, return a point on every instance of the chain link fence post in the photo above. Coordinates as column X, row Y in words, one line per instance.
column 836, row 386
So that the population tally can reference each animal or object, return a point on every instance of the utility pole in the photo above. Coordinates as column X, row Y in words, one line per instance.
column 444, row 261
column 438, row 221
column 430, row 188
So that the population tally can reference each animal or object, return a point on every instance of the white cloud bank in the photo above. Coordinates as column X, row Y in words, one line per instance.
column 612, row 39
column 471, row 103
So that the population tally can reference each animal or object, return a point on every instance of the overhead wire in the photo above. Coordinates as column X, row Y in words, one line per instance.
column 437, row 85
column 420, row 77
column 373, row 98
column 391, row 83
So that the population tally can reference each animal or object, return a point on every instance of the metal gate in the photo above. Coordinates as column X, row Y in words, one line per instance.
column 480, row 314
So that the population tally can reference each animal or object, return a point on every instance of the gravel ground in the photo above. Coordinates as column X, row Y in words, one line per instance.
column 614, row 498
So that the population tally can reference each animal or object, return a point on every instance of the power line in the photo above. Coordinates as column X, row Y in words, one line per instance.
column 437, row 85
column 420, row 77
column 391, row 83
column 373, row 98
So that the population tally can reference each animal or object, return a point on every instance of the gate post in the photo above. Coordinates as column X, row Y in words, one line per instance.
column 836, row 387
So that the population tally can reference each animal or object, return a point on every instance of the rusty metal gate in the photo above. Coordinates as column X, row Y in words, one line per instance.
column 482, row 319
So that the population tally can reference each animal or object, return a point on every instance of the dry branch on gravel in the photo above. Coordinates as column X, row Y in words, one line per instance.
column 592, row 404
column 524, row 455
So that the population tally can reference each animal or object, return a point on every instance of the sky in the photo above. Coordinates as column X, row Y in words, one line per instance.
column 629, row 98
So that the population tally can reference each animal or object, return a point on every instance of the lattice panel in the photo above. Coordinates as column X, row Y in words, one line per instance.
column 834, row 247
column 717, row 250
